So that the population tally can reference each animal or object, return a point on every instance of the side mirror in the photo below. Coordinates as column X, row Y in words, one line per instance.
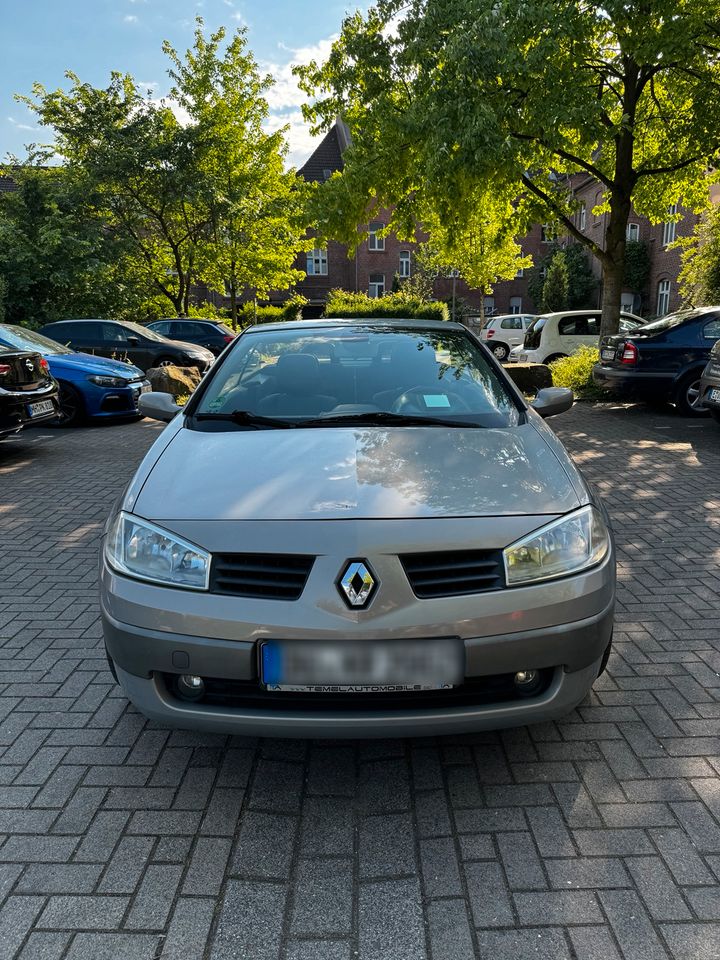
column 133, row 341
column 552, row 400
column 158, row 406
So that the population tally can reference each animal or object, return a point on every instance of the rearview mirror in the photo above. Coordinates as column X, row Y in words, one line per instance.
column 158, row 406
column 552, row 400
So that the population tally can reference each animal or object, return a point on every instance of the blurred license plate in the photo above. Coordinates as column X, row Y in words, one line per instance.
column 38, row 409
column 314, row 666
column 714, row 396
column 608, row 354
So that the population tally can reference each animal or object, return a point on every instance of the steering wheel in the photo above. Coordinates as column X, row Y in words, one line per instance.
column 411, row 401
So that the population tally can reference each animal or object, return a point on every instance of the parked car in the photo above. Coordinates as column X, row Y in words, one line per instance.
column 211, row 334
column 555, row 335
column 28, row 393
column 396, row 543
column 663, row 360
column 710, row 383
column 506, row 331
column 90, row 386
column 127, row 342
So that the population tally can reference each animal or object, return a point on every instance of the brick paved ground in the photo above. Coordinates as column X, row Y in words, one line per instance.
column 592, row 839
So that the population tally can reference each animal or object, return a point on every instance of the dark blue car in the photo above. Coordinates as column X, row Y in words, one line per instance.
column 90, row 386
column 661, row 361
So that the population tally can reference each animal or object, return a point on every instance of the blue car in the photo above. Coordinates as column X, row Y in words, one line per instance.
column 90, row 386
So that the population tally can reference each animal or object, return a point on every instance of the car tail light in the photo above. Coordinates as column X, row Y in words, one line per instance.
column 490, row 333
column 228, row 338
column 629, row 355
column 5, row 368
column 44, row 364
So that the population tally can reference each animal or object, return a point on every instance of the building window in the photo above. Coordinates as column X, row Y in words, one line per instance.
column 547, row 232
column 404, row 264
column 376, row 243
column 663, row 298
column 317, row 263
column 633, row 231
column 668, row 236
column 376, row 287
column 489, row 306
column 520, row 274
column 515, row 304
column 583, row 216
column 327, row 173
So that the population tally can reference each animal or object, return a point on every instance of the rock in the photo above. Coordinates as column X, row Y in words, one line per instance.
column 529, row 377
column 178, row 381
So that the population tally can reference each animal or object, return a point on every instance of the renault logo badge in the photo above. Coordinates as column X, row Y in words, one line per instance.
column 357, row 584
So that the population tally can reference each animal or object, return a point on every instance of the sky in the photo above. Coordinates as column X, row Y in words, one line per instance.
column 41, row 39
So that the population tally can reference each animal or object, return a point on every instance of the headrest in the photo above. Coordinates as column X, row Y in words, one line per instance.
column 297, row 373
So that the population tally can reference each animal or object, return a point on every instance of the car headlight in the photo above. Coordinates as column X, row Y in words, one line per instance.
column 564, row 546
column 101, row 381
column 140, row 549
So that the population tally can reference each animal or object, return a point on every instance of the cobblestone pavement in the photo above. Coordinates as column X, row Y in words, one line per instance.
column 593, row 839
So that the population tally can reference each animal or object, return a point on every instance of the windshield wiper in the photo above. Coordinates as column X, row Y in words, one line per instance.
column 382, row 418
column 244, row 418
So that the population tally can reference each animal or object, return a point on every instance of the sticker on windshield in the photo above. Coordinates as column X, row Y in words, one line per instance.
column 436, row 400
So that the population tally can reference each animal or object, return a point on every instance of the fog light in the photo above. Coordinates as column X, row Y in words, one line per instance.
column 190, row 687
column 527, row 682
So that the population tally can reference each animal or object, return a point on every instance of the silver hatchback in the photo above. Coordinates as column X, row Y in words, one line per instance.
column 357, row 528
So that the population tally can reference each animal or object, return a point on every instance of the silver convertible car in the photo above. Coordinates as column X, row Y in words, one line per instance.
column 357, row 529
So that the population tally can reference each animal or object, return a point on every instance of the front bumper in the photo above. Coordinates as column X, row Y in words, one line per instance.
column 116, row 401
column 710, row 381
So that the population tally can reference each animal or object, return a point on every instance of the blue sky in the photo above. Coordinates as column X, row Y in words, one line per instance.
column 41, row 39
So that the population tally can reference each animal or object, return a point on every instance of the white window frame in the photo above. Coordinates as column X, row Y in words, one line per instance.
column 489, row 306
column 317, row 262
column 515, row 305
column 669, row 228
column 663, row 297
column 520, row 274
column 583, row 216
column 376, row 288
column 547, row 232
column 633, row 231
column 405, row 268
column 376, row 244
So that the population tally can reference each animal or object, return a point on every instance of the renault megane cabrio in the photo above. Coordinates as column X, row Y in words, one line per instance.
column 357, row 528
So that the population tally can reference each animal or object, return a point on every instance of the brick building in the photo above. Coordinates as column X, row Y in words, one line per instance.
column 378, row 260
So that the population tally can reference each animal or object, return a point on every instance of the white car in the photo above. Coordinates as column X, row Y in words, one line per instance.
column 506, row 331
column 555, row 335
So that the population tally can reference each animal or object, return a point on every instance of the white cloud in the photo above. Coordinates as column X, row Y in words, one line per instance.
column 239, row 18
column 130, row 18
column 22, row 126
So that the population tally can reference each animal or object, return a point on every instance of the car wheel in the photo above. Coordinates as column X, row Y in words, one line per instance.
column 72, row 408
column 688, row 400
column 500, row 351
column 555, row 356
column 165, row 362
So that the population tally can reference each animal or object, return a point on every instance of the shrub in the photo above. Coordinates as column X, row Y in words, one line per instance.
column 575, row 372
column 397, row 306
column 248, row 313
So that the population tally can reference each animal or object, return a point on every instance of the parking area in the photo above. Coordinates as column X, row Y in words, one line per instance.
column 596, row 837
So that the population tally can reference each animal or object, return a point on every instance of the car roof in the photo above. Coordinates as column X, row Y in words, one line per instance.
column 358, row 322
column 585, row 313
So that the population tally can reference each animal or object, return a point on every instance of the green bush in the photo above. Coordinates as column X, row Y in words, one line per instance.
column 394, row 306
column 248, row 313
column 575, row 372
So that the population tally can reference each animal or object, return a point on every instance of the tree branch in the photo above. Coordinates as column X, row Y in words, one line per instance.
column 571, row 228
column 594, row 171
column 673, row 168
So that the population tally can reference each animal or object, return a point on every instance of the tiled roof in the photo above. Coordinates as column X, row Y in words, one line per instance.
column 327, row 156
column 7, row 184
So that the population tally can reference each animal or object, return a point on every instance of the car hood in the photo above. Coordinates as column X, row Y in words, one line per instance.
column 89, row 363
column 342, row 473
column 191, row 348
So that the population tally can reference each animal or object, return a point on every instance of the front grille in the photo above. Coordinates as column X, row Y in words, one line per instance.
column 250, row 695
column 454, row 573
column 260, row 575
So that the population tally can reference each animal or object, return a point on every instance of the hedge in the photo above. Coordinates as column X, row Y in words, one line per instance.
column 393, row 306
column 575, row 372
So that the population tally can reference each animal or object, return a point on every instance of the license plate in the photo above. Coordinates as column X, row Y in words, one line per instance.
column 401, row 666
column 714, row 396
column 608, row 354
column 38, row 409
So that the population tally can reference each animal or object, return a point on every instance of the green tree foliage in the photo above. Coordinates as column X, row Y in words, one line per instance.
column 57, row 258
column 444, row 97
column 555, row 288
column 582, row 282
column 637, row 265
column 700, row 274
column 399, row 306
column 187, row 198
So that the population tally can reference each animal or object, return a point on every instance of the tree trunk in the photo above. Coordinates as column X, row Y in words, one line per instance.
column 233, row 304
column 613, row 264
column 482, row 308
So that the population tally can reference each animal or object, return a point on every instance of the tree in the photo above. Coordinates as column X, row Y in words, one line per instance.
column 57, row 258
column 582, row 282
column 522, row 95
column 555, row 288
column 700, row 274
column 256, row 209
column 637, row 266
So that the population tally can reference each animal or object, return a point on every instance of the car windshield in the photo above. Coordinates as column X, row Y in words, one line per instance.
column 671, row 320
column 24, row 339
column 365, row 374
column 143, row 331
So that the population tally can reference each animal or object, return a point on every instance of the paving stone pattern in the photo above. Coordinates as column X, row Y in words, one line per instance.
column 594, row 837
